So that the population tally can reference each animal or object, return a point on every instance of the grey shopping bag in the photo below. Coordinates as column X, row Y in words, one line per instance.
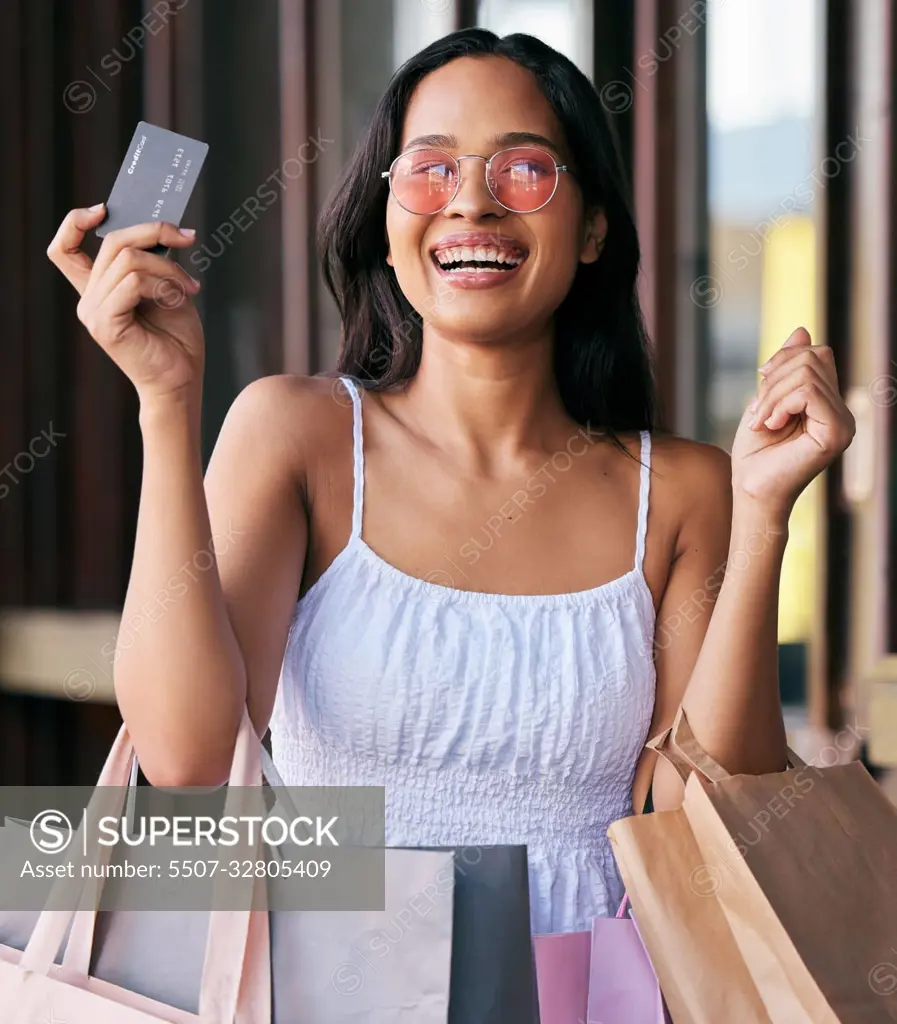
column 388, row 966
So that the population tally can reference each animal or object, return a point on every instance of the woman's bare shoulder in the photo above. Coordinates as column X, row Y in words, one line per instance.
column 692, row 481
column 291, row 409
column 687, row 477
column 679, row 460
column 281, row 428
column 689, row 464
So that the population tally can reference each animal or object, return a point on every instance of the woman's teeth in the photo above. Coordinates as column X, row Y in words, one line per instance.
column 479, row 257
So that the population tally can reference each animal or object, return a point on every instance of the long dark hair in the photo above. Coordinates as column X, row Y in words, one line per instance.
column 602, row 358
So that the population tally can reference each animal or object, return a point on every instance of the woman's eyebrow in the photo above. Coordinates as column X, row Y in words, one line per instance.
column 499, row 141
column 524, row 139
column 439, row 141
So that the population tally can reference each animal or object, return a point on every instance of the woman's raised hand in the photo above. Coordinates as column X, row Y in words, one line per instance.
column 138, row 306
column 795, row 427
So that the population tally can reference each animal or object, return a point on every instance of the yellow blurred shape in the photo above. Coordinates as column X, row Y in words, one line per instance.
column 789, row 301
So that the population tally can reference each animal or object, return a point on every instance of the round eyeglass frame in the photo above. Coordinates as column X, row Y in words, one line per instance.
column 456, row 160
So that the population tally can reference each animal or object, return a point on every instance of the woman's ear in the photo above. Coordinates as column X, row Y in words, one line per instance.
column 595, row 234
column 388, row 255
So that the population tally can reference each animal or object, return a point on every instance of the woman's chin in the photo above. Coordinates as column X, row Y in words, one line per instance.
column 480, row 327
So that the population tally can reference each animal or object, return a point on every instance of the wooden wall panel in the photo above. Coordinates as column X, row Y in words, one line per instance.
column 297, row 220
column 829, row 673
column 13, row 180
column 70, row 106
column 101, row 400
column 869, row 465
column 669, row 167
column 77, row 78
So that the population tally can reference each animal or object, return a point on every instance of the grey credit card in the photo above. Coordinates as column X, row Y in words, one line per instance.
column 155, row 181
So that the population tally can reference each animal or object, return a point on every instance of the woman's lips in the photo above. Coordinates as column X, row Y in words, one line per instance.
column 475, row 239
column 477, row 277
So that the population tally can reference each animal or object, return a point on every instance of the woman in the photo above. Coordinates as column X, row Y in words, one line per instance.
column 489, row 537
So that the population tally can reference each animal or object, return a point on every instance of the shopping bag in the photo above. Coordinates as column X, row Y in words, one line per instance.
column 125, row 939
column 784, row 885
column 562, row 975
column 376, row 966
column 623, row 988
column 702, row 974
column 667, row 1019
column 160, row 953
column 235, row 978
column 493, row 981
column 151, row 958
column 602, row 976
column 802, row 856
column 472, row 915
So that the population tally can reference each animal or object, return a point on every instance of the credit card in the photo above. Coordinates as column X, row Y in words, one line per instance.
column 155, row 181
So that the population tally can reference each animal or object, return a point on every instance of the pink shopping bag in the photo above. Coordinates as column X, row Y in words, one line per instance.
column 562, row 976
column 623, row 988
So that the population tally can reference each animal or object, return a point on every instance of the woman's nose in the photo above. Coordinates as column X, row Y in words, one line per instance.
column 473, row 199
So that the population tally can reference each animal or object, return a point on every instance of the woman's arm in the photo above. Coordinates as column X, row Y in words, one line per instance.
column 699, row 476
column 716, row 637
column 214, row 581
column 216, row 569
column 732, row 697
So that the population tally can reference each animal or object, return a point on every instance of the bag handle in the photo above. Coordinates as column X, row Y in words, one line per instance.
column 108, row 798
column 254, row 999
column 51, row 926
column 661, row 746
column 79, row 948
column 229, row 931
column 680, row 748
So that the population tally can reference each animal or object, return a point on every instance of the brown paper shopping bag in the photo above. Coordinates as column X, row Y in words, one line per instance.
column 808, row 864
column 698, row 963
column 802, row 865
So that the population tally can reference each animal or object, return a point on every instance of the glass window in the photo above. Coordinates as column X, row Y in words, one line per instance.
column 761, row 91
column 766, row 183
column 417, row 23
column 564, row 24
column 359, row 45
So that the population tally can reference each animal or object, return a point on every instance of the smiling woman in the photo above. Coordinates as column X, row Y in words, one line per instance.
column 544, row 160
column 484, row 260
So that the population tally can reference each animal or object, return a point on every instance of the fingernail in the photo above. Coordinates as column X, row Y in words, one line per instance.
column 753, row 406
column 97, row 206
column 764, row 369
column 188, row 232
column 768, row 422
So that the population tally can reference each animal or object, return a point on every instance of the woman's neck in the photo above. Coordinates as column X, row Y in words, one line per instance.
column 488, row 401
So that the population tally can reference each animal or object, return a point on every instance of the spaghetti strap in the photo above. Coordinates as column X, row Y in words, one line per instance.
column 644, row 493
column 357, row 456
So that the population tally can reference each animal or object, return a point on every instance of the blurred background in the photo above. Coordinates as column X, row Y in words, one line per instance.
column 759, row 141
